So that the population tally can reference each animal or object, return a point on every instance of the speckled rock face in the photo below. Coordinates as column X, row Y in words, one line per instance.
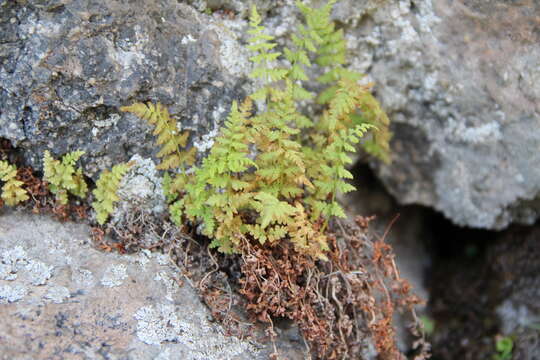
column 61, row 299
column 66, row 67
column 459, row 80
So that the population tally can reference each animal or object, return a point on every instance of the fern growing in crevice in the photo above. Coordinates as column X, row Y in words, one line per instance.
column 272, row 175
column 63, row 177
column 331, row 54
column 12, row 190
column 106, row 191
column 332, row 173
column 219, row 191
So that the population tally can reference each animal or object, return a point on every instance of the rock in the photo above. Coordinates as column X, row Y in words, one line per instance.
column 483, row 288
column 62, row 299
column 66, row 68
column 458, row 81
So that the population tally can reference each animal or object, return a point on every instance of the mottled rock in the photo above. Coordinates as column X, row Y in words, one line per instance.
column 67, row 67
column 458, row 81
column 62, row 299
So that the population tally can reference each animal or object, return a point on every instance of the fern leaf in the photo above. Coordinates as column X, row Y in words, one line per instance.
column 168, row 136
column 12, row 190
column 272, row 210
column 63, row 177
column 105, row 191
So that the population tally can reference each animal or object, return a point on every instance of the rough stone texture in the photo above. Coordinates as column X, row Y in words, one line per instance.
column 66, row 67
column 61, row 299
column 458, row 80
column 484, row 287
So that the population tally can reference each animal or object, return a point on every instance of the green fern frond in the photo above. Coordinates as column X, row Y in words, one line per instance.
column 262, row 44
column 218, row 191
column 12, row 190
column 62, row 176
column 106, row 191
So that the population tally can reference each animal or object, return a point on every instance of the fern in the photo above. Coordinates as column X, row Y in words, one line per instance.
column 12, row 191
column 331, row 54
column 261, row 44
column 219, row 190
column 62, row 176
column 304, row 235
column 272, row 176
column 333, row 173
column 105, row 191
column 168, row 135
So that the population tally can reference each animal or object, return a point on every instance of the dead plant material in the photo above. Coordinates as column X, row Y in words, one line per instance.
column 340, row 305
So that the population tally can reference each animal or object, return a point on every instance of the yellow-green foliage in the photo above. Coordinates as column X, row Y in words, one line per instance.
column 169, row 136
column 105, row 191
column 331, row 55
column 12, row 191
column 274, row 175
column 63, row 177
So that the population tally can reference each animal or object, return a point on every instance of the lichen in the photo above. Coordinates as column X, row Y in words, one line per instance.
column 114, row 275
column 161, row 324
column 57, row 294
column 10, row 294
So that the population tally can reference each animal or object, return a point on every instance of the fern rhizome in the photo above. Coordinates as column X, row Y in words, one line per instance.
column 268, row 190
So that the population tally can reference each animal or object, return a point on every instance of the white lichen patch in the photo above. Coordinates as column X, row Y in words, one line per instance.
column 38, row 272
column 57, row 294
column 187, row 39
column 142, row 258
column 9, row 293
column 161, row 324
column 11, row 261
column 164, row 355
column 114, row 275
column 171, row 285
column 207, row 141
column 162, row 259
column 82, row 277
column 140, row 188
column 233, row 57
column 489, row 132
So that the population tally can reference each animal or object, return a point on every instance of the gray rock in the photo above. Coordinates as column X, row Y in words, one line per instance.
column 102, row 305
column 458, row 81
column 66, row 68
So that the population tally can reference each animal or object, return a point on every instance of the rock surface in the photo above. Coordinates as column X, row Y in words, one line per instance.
column 62, row 299
column 67, row 67
column 459, row 80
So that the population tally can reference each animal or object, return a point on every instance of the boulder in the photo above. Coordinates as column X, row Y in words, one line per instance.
column 67, row 67
column 460, row 82
column 61, row 298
